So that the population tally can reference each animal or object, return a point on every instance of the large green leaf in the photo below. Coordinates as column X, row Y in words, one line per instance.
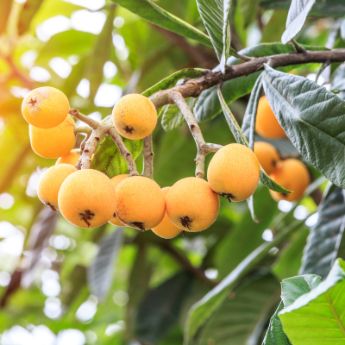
column 318, row 317
column 312, row 118
column 208, row 106
column 152, row 12
column 160, row 309
column 239, row 319
column 101, row 272
column 215, row 15
column 326, row 238
column 203, row 309
column 298, row 12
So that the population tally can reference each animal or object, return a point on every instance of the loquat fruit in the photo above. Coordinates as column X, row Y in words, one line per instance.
column 293, row 175
column 234, row 172
column 86, row 198
column 115, row 182
column 166, row 228
column 267, row 155
column 45, row 107
column 134, row 116
column 139, row 202
column 71, row 158
column 266, row 123
column 53, row 142
column 191, row 204
column 50, row 183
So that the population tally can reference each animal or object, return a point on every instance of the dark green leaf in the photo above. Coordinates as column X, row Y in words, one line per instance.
column 161, row 307
column 215, row 16
column 326, row 238
column 312, row 118
column 245, row 310
column 270, row 184
column 298, row 12
column 101, row 272
column 152, row 12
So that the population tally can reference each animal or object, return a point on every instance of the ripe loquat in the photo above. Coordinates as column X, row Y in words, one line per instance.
column 266, row 123
column 294, row 176
column 71, row 158
column 234, row 172
column 267, row 155
column 53, row 142
column 115, row 182
column 166, row 228
column 86, row 198
column 139, row 202
column 134, row 116
column 50, row 182
column 45, row 107
column 191, row 204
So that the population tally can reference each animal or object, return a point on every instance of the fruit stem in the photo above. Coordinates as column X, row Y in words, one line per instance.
column 195, row 130
column 148, row 157
column 86, row 119
column 132, row 168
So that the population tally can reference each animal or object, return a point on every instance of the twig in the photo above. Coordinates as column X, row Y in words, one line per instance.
column 132, row 168
column 86, row 119
column 195, row 130
column 148, row 157
column 297, row 46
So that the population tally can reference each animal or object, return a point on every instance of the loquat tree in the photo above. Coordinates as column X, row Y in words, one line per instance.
column 198, row 146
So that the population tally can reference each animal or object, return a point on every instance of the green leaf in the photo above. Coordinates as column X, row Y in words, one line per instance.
column 109, row 160
column 338, row 81
column 101, row 272
column 317, row 317
column 207, row 106
column 298, row 12
column 248, row 123
column 171, row 117
column 215, row 15
column 238, row 320
column 275, row 334
column 270, row 184
column 312, row 118
column 173, row 78
column 231, row 120
column 160, row 309
column 294, row 287
column 155, row 14
column 205, row 308
column 326, row 238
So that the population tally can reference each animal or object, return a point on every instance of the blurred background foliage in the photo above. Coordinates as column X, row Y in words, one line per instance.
column 62, row 285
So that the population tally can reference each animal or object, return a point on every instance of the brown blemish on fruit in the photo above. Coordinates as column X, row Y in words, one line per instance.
column 138, row 225
column 51, row 206
column 186, row 222
column 128, row 129
column 274, row 163
column 114, row 215
column 32, row 102
column 86, row 216
column 228, row 196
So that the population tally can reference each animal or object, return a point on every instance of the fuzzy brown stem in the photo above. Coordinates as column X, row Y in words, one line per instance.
column 86, row 119
column 148, row 157
column 195, row 130
column 132, row 168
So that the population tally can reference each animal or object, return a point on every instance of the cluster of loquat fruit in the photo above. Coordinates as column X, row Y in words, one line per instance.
column 88, row 198
column 290, row 173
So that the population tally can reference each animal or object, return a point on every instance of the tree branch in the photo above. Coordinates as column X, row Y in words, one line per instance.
column 193, row 87
column 86, row 119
